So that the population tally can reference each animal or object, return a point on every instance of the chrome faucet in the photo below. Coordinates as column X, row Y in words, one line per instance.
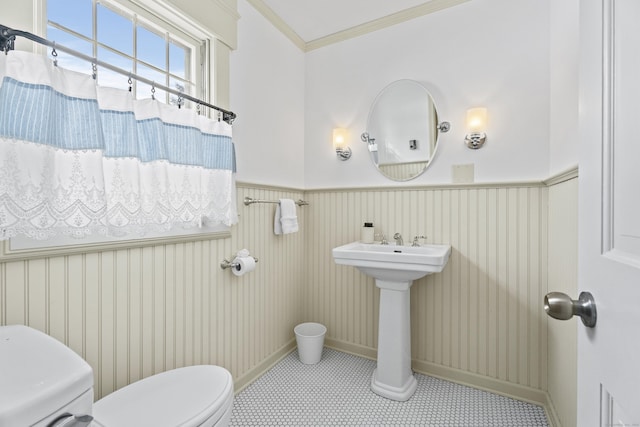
column 398, row 238
column 415, row 240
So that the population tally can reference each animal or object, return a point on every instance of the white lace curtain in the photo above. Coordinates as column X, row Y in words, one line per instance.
column 78, row 159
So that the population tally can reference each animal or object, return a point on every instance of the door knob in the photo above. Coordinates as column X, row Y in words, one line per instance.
column 561, row 306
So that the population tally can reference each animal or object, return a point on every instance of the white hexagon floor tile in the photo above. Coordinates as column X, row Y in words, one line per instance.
column 335, row 392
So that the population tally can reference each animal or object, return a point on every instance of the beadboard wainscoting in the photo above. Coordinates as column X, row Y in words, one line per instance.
column 481, row 321
column 482, row 315
column 135, row 312
column 563, row 277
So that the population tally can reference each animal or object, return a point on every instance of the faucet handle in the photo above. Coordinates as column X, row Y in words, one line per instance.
column 415, row 240
column 383, row 238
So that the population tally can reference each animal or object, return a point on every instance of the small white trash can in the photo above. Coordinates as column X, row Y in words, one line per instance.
column 310, row 340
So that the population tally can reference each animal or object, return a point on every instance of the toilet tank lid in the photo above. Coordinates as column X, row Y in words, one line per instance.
column 39, row 375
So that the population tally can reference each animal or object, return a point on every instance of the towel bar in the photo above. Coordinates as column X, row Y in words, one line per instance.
column 250, row 200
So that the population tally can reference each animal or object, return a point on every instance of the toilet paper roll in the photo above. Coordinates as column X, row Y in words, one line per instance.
column 243, row 265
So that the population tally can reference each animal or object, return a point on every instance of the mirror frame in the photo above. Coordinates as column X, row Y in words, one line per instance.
column 403, row 171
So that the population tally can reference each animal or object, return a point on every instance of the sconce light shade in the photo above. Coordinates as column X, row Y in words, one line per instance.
column 340, row 139
column 476, row 123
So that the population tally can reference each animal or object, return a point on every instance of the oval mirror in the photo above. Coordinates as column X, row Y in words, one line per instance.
column 402, row 130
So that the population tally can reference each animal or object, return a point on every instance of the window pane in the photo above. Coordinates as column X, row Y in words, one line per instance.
column 66, row 60
column 115, row 59
column 115, row 30
column 110, row 78
column 151, row 48
column 68, row 40
column 177, row 60
column 139, row 44
column 182, row 86
column 73, row 14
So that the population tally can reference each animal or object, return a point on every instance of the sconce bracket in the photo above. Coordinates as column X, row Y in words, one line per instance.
column 444, row 127
column 475, row 140
column 343, row 153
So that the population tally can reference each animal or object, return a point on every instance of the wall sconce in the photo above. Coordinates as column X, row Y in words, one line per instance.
column 340, row 137
column 476, row 123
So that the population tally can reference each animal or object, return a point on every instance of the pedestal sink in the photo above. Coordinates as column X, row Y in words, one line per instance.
column 394, row 268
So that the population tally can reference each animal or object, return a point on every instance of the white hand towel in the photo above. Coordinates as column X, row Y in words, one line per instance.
column 286, row 219
column 277, row 225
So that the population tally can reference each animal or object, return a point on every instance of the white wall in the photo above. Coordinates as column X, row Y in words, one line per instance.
column 267, row 93
column 521, row 63
column 488, row 53
column 563, row 107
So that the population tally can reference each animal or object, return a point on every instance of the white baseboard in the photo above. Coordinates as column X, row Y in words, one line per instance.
column 257, row 371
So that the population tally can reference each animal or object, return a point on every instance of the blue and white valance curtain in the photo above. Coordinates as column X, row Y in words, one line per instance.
column 78, row 159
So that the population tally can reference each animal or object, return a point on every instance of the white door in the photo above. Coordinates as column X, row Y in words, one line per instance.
column 609, row 212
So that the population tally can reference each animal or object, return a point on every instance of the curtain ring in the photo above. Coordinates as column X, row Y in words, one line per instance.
column 130, row 82
column 153, row 91
column 219, row 115
column 198, row 108
column 180, row 100
column 94, row 68
column 54, row 53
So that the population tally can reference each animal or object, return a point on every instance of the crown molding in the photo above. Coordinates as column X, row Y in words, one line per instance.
column 229, row 9
column 277, row 22
column 358, row 30
column 381, row 23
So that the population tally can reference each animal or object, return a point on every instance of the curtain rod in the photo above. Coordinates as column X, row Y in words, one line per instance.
column 8, row 36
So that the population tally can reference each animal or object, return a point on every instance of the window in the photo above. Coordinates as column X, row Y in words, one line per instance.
column 150, row 38
column 132, row 39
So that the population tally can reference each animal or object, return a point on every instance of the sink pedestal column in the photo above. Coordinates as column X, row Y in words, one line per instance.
column 393, row 377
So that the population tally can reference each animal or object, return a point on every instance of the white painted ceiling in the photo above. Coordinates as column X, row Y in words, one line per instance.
column 313, row 19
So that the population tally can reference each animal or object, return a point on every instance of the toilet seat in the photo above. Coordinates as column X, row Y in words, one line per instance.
column 186, row 397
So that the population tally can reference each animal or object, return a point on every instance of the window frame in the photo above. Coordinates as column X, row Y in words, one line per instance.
column 195, row 41
column 177, row 20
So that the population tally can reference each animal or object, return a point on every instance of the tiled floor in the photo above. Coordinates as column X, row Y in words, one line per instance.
column 335, row 392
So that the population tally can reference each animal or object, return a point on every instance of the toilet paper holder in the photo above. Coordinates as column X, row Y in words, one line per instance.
column 228, row 264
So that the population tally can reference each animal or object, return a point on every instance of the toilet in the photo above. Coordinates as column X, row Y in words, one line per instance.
column 46, row 384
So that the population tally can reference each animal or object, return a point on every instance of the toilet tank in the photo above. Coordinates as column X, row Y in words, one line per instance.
column 40, row 379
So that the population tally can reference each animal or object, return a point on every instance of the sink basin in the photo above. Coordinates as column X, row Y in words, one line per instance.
column 394, row 268
column 392, row 262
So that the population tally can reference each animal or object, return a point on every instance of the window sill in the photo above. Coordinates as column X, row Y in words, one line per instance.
column 25, row 249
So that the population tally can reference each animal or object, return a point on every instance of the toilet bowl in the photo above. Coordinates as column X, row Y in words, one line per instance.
column 46, row 384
